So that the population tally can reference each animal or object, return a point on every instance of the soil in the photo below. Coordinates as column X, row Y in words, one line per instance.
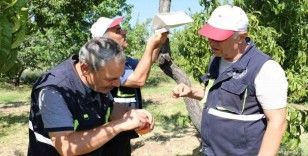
column 159, row 142
column 162, row 143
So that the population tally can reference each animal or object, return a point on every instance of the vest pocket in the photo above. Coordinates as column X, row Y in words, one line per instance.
column 232, row 97
column 255, row 132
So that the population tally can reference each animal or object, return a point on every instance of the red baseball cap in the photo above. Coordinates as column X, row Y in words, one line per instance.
column 215, row 33
column 116, row 22
column 99, row 28
column 223, row 22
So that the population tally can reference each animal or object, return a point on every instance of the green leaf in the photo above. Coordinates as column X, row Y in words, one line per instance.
column 8, row 5
column 293, row 143
column 5, row 43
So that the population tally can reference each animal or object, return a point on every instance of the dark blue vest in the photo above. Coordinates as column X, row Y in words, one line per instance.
column 87, row 111
column 233, row 122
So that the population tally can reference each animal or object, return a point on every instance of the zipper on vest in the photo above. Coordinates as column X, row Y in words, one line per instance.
column 244, row 101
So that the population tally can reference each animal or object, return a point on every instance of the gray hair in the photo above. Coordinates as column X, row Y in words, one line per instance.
column 98, row 51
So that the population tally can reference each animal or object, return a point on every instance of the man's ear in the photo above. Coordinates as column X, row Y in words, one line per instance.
column 242, row 37
column 85, row 68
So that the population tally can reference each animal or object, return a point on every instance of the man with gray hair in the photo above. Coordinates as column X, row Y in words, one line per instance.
column 246, row 91
column 70, row 103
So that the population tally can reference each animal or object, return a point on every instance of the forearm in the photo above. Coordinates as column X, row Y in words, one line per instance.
column 155, row 55
column 272, row 138
column 141, row 73
column 77, row 143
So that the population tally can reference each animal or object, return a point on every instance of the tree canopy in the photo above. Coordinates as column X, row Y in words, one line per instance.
column 52, row 31
column 13, row 17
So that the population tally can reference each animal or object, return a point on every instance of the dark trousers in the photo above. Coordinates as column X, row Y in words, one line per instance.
column 119, row 145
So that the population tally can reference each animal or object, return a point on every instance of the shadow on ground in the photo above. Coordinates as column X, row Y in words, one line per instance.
column 196, row 152
column 7, row 121
column 148, row 102
column 154, row 81
column 175, row 123
column 13, row 104
column 175, row 126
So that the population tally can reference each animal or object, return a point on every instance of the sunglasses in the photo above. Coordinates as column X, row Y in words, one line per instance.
column 119, row 30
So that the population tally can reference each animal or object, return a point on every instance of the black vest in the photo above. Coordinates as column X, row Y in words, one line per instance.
column 130, row 97
column 233, row 122
column 87, row 110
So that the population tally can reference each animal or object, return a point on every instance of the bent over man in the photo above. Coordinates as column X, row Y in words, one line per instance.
column 69, row 104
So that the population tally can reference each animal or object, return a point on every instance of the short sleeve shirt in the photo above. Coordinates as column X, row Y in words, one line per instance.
column 54, row 111
column 130, row 66
column 270, row 83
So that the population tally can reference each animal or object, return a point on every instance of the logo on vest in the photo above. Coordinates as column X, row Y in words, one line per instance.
column 86, row 116
column 239, row 75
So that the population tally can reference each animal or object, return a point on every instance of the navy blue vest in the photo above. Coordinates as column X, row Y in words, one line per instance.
column 87, row 111
column 233, row 122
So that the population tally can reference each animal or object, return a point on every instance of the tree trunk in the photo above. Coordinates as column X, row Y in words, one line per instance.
column 17, row 77
column 173, row 71
column 164, row 6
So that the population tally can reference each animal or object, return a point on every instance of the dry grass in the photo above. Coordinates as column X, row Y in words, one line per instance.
column 173, row 134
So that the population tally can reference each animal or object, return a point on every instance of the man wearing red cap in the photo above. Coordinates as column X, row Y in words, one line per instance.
column 136, row 72
column 246, row 94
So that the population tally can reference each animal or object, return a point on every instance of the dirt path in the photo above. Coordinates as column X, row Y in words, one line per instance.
column 163, row 143
column 14, row 118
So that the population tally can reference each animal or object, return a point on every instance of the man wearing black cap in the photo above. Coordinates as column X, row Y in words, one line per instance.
column 245, row 106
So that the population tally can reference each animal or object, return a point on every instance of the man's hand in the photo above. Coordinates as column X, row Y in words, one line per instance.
column 158, row 39
column 148, row 126
column 138, row 119
column 82, row 142
column 156, row 43
column 181, row 90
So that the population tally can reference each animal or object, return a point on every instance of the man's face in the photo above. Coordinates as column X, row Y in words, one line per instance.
column 227, row 49
column 106, row 77
column 117, row 34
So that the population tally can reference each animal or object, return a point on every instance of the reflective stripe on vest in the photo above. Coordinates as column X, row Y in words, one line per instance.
column 227, row 115
column 40, row 137
column 124, row 100
column 121, row 94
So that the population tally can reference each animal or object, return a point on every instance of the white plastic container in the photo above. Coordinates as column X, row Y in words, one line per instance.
column 165, row 21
